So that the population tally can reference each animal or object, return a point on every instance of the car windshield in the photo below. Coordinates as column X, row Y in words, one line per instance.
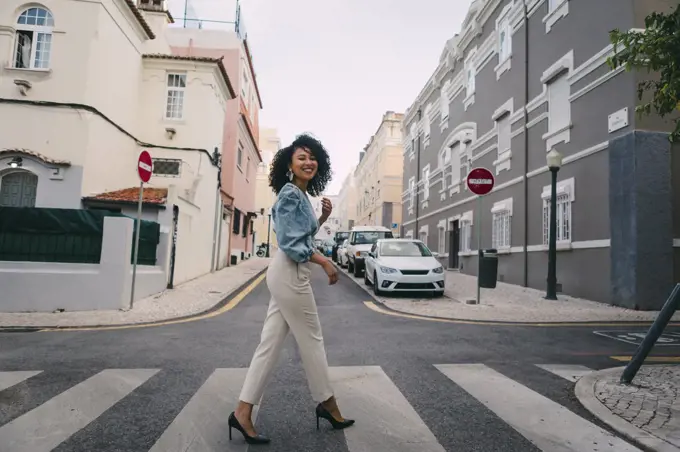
column 410, row 249
column 370, row 237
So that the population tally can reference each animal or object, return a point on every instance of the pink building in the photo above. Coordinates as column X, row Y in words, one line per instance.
column 240, row 145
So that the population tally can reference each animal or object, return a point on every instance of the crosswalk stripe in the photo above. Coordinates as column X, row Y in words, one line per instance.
column 45, row 427
column 385, row 420
column 9, row 379
column 547, row 424
column 571, row 372
column 202, row 426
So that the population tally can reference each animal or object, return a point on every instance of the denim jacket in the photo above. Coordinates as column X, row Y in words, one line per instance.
column 294, row 223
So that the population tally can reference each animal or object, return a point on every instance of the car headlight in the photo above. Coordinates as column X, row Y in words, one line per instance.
column 438, row 270
column 387, row 270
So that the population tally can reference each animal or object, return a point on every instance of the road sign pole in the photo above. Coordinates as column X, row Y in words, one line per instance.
column 479, row 244
column 134, row 259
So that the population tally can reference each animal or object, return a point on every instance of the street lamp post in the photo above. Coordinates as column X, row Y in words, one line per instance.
column 269, row 226
column 554, row 160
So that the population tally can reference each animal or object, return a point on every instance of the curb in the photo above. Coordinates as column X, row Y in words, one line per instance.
column 585, row 393
column 384, row 307
column 219, row 305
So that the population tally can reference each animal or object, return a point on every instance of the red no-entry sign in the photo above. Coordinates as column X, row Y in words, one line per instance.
column 144, row 166
column 480, row 181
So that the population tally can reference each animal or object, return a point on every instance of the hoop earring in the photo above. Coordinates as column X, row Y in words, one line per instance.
column 290, row 175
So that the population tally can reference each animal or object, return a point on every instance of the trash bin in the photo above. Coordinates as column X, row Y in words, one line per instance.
column 488, row 268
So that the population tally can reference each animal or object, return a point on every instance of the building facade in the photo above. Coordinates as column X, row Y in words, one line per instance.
column 72, row 128
column 270, row 143
column 241, row 155
column 521, row 78
column 379, row 176
column 346, row 206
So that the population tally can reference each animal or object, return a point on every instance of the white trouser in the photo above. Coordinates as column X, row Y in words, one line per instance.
column 292, row 307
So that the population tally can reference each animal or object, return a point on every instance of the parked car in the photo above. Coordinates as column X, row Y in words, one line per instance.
column 403, row 265
column 342, row 254
column 361, row 239
column 339, row 238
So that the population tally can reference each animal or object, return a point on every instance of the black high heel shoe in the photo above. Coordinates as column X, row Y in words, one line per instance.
column 322, row 412
column 257, row 439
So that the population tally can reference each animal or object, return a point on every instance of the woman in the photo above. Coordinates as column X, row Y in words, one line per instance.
column 303, row 167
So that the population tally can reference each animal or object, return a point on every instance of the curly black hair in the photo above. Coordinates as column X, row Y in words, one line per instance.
column 278, row 175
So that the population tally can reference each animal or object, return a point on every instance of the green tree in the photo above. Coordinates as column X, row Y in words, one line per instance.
column 657, row 49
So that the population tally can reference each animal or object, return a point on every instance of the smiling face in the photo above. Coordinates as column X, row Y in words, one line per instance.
column 303, row 164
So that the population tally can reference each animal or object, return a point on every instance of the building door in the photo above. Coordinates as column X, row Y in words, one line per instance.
column 18, row 189
column 454, row 244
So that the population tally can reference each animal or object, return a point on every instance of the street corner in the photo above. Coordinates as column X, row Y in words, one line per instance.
column 646, row 411
column 206, row 302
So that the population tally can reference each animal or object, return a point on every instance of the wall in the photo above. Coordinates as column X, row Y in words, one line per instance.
column 46, row 287
column 264, row 195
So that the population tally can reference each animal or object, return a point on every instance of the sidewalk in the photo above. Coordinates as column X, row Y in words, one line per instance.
column 507, row 303
column 190, row 298
column 646, row 411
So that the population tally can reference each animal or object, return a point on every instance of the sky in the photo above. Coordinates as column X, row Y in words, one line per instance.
column 333, row 68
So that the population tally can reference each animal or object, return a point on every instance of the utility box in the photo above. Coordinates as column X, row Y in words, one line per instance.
column 488, row 268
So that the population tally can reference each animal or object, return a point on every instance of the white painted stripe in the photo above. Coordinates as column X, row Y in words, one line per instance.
column 9, row 379
column 202, row 426
column 571, row 372
column 385, row 420
column 548, row 425
column 45, row 427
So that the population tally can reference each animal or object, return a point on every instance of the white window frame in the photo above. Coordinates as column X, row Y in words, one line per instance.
column 470, row 78
column 444, row 106
column 36, row 31
column 504, row 45
column 441, row 237
column 412, row 193
column 565, row 197
column 466, row 223
column 555, row 78
column 426, row 183
column 501, row 117
column 427, row 127
column 423, row 234
column 501, row 225
column 557, row 9
column 175, row 92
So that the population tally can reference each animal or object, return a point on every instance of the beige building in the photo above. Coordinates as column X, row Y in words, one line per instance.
column 346, row 205
column 270, row 143
column 378, row 176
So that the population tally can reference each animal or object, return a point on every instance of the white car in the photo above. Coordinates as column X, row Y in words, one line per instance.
column 395, row 265
column 342, row 253
column 361, row 239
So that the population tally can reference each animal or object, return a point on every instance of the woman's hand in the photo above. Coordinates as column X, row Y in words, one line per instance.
column 331, row 271
column 326, row 210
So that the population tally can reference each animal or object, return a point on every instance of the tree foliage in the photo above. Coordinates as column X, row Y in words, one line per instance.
column 656, row 49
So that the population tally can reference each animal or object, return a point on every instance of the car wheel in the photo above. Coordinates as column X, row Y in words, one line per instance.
column 376, row 285
column 350, row 266
column 366, row 281
column 357, row 271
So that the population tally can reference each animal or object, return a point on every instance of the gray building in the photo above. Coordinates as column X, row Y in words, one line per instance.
column 521, row 78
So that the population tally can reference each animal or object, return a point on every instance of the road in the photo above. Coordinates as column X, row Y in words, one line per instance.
column 412, row 385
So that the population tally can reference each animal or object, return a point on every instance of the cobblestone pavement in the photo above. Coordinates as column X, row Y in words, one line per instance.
column 189, row 298
column 650, row 403
column 507, row 303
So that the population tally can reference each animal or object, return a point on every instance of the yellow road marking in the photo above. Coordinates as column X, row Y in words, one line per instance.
column 650, row 359
column 372, row 306
column 227, row 307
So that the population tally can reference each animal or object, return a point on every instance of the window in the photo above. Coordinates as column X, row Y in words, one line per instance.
column 557, row 9
column 426, row 125
column 177, row 84
column 236, row 226
column 412, row 191
column 33, row 39
column 442, row 240
column 444, row 101
column 423, row 237
column 470, row 80
column 559, row 107
column 501, row 224
column 167, row 167
column 244, row 81
column 553, row 4
column 466, row 233
column 18, row 189
column 426, row 183
column 565, row 196
column 504, row 141
column 239, row 155
column 248, row 168
column 464, row 170
column 504, row 42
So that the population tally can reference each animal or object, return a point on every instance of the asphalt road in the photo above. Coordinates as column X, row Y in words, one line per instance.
column 157, row 388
